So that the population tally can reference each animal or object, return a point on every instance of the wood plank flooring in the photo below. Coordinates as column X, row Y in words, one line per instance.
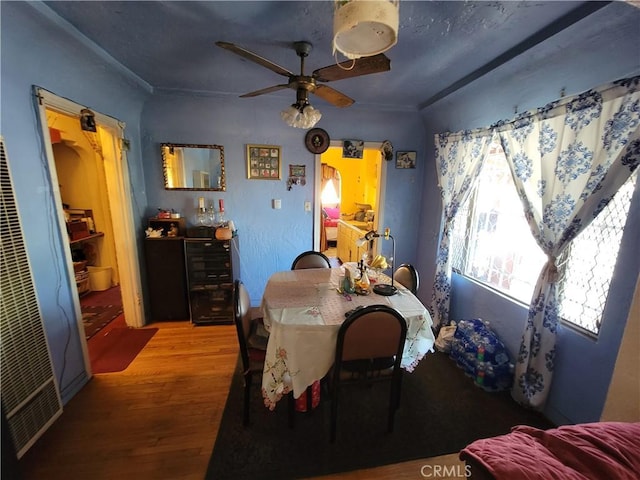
column 159, row 418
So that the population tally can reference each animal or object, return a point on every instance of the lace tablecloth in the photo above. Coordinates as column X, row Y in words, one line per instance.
column 303, row 311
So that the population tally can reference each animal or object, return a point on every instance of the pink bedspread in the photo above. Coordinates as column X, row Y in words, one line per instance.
column 598, row 451
column 330, row 222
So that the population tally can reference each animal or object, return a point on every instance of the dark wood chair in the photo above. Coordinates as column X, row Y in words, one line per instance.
column 407, row 275
column 369, row 349
column 253, row 350
column 310, row 259
column 252, row 346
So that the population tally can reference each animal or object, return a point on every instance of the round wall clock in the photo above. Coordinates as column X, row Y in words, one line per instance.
column 317, row 140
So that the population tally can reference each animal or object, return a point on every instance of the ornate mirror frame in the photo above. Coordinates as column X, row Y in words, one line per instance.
column 193, row 167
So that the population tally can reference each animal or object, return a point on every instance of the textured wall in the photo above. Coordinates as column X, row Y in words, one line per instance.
column 596, row 50
column 270, row 239
column 35, row 51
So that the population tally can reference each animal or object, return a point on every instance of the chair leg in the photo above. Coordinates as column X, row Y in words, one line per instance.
column 399, row 390
column 390, row 420
column 247, row 398
column 291, row 407
column 394, row 401
column 334, row 414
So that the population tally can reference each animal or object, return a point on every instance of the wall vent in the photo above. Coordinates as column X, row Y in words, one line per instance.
column 30, row 393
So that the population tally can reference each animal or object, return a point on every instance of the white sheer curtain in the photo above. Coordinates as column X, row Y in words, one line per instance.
column 568, row 159
column 459, row 158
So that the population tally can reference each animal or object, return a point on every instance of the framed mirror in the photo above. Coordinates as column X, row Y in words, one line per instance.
column 193, row 167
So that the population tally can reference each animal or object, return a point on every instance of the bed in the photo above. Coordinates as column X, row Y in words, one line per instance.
column 331, row 216
column 603, row 450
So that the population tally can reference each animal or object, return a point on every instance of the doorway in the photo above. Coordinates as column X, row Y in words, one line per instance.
column 79, row 164
column 362, row 185
column 79, row 158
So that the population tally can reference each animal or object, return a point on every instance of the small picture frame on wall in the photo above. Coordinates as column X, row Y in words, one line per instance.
column 297, row 170
column 352, row 148
column 406, row 160
column 264, row 162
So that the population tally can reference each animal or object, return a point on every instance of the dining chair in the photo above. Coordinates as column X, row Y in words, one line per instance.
column 252, row 345
column 369, row 349
column 310, row 259
column 407, row 275
column 253, row 349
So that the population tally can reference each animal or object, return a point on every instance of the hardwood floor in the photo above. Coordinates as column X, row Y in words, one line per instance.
column 159, row 418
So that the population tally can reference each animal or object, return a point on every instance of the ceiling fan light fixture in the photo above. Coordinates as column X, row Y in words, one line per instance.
column 301, row 116
column 363, row 28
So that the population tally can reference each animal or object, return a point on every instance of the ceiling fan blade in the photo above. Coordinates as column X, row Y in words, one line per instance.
column 255, row 58
column 274, row 88
column 363, row 66
column 332, row 96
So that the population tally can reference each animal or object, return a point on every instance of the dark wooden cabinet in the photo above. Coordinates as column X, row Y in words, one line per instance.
column 166, row 279
column 212, row 267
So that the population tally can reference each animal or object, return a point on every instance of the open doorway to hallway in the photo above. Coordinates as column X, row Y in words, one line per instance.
column 91, row 187
column 351, row 193
column 78, row 158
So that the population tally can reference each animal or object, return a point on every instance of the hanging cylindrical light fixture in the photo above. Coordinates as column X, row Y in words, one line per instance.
column 363, row 28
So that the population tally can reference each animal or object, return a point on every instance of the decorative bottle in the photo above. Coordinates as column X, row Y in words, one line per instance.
column 201, row 215
column 211, row 216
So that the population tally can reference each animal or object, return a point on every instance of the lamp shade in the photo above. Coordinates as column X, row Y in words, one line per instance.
column 304, row 116
column 362, row 28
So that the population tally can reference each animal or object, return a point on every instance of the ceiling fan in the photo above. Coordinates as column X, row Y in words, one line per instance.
column 305, row 84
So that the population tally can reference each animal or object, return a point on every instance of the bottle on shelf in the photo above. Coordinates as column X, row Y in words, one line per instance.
column 201, row 214
column 221, row 216
column 211, row 216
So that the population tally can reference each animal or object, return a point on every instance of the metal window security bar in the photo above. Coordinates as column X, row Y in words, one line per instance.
column 30, row 394
column 585, row 268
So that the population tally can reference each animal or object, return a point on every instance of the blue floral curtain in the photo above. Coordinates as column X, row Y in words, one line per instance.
column 568, row 160
column 459, row 159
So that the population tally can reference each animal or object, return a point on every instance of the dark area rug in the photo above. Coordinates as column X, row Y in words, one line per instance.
column 114, row 351
column 441, row 412
column 96, row 317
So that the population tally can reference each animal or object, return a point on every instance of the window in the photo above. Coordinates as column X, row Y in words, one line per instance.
column 330, row 195
column 492, row 243
column 587, row 265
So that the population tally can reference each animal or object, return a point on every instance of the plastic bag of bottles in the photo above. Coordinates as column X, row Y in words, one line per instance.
column 480, row 353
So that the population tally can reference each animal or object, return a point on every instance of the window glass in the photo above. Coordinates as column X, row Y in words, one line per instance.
column 492, row 243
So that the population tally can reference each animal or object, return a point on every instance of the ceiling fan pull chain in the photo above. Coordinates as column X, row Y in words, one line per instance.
column 335, row 55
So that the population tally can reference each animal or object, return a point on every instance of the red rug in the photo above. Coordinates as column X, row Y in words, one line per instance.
column 117, row 348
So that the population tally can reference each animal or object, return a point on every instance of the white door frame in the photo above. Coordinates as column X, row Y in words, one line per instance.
column 380, row 199
column 111, row 133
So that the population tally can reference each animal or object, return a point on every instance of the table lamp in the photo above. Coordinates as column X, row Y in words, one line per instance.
column 381, row 288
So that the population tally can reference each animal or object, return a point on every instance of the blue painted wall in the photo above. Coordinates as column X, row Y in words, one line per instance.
column 584, row 365
column 270, row 239
column 35, row 51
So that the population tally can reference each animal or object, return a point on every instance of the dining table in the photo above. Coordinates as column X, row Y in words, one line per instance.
column 302, row 312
